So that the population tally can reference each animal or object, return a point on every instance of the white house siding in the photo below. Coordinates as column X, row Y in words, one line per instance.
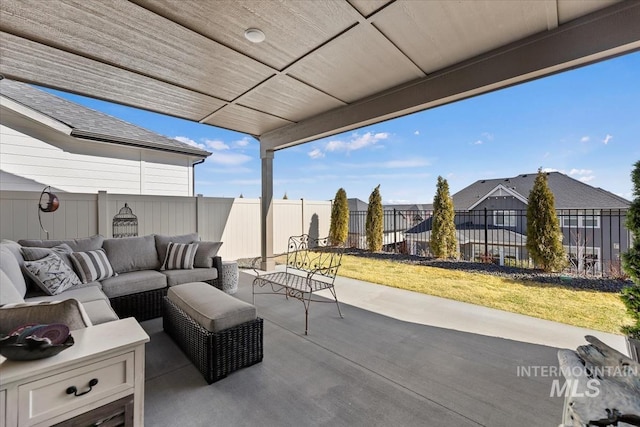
column 78, row 166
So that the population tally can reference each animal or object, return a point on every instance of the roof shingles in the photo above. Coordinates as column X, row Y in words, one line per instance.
column 91, row 124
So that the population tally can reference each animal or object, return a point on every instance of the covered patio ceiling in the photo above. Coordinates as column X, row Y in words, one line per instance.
column 324, row 67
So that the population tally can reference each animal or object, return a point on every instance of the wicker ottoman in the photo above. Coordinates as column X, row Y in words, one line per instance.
column 219, row 333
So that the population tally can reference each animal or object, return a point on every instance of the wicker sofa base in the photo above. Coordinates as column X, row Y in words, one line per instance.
column 215, row 354
column 142, row 305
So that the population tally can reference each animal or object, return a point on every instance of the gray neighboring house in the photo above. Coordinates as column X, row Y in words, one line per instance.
column 591, row 220
column 48, row 140
column 396, row 220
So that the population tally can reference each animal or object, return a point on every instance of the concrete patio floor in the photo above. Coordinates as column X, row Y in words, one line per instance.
column 372, row 368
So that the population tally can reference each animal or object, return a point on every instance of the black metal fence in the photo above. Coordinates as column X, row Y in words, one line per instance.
column 593, row 239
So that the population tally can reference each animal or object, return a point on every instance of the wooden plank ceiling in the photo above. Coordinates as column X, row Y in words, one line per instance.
column 324, row 67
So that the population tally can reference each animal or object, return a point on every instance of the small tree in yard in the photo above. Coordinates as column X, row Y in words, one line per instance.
column 631, row 259
column 339, row 229
column 544, row 238
column 443, row 243
column 374, row 223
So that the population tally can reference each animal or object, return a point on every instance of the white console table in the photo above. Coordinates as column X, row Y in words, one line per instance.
column 106, row 367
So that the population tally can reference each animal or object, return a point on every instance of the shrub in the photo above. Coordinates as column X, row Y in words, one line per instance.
column 443, row 242
column 374, row 222
column 339, row 229
column 544, row 238
column 631, row 259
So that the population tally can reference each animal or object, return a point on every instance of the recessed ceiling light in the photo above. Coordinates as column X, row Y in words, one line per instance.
column 254, row 35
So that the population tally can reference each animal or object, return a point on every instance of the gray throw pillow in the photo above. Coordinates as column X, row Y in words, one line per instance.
column 51, row 274
column 205, row 253
column 62, row 250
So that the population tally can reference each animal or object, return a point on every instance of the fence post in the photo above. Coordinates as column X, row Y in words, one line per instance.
column 395, row 232
column 103, row 214
column 200, row 215
column 486, row 234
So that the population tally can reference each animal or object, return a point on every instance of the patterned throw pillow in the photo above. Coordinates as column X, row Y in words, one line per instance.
column 51, row 274
column 92, row 265
column 180, row 256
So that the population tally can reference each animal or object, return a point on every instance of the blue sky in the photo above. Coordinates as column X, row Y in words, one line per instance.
column 584, row 122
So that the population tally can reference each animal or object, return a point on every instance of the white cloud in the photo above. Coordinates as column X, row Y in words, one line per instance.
column 186, row 140
column 229, row 159
column 478, row 142
column 546, row 170
column 607, row 139
column 241, row 143
column 488, row 136
column 587, row 178
column 389, row 164
column 207, row 144
column 216, row 144
column 417, row 132
column 584, row 139
column 580, row 172
column 356, row 142
column 316, row 153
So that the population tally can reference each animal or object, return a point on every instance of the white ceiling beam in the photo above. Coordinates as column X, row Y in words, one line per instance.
column 604, row 34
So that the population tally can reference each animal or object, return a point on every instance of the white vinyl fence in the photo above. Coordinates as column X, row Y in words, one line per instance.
column 236, row 222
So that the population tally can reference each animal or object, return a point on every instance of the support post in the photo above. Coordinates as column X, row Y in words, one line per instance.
column 266, row 212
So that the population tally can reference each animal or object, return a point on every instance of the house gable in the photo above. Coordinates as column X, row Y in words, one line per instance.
column 500, row 191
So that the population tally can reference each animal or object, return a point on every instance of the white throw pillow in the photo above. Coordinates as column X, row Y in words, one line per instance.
column 51, row 274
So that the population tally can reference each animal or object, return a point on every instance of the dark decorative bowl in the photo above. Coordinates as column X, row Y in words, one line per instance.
column 17, row 346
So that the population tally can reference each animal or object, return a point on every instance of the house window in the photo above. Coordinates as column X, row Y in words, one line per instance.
column 504, row 218
column 580, row 220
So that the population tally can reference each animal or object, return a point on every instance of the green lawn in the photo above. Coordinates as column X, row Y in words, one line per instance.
column 590, row 309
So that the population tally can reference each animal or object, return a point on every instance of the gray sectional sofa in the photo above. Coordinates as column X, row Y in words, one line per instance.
column 132, row 283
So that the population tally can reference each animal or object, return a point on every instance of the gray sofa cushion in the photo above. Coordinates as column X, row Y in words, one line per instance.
column 205, row 253
column 86, row 294
column 9, row 264
column 178, row 277
column 162, row 242
column 99, row 311
column 133, row 282
column 78, row 245
column 210, row 307
column 69, row 311
column 132, row 253
column 8, row 292
column 14, row 248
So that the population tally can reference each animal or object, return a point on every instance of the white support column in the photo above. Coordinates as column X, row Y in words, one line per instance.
column 266, row 212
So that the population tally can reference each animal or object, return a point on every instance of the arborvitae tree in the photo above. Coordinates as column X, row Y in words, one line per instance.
column 443, row 243
column 374, row 223
column 241, row 196
column 631, row 259
column 285, row 197
column 544, row 238
column 339, row 218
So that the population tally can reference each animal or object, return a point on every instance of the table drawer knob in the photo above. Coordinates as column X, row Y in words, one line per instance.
column 74, row 390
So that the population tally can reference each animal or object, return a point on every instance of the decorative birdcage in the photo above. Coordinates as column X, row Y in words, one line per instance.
column 125, row 223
